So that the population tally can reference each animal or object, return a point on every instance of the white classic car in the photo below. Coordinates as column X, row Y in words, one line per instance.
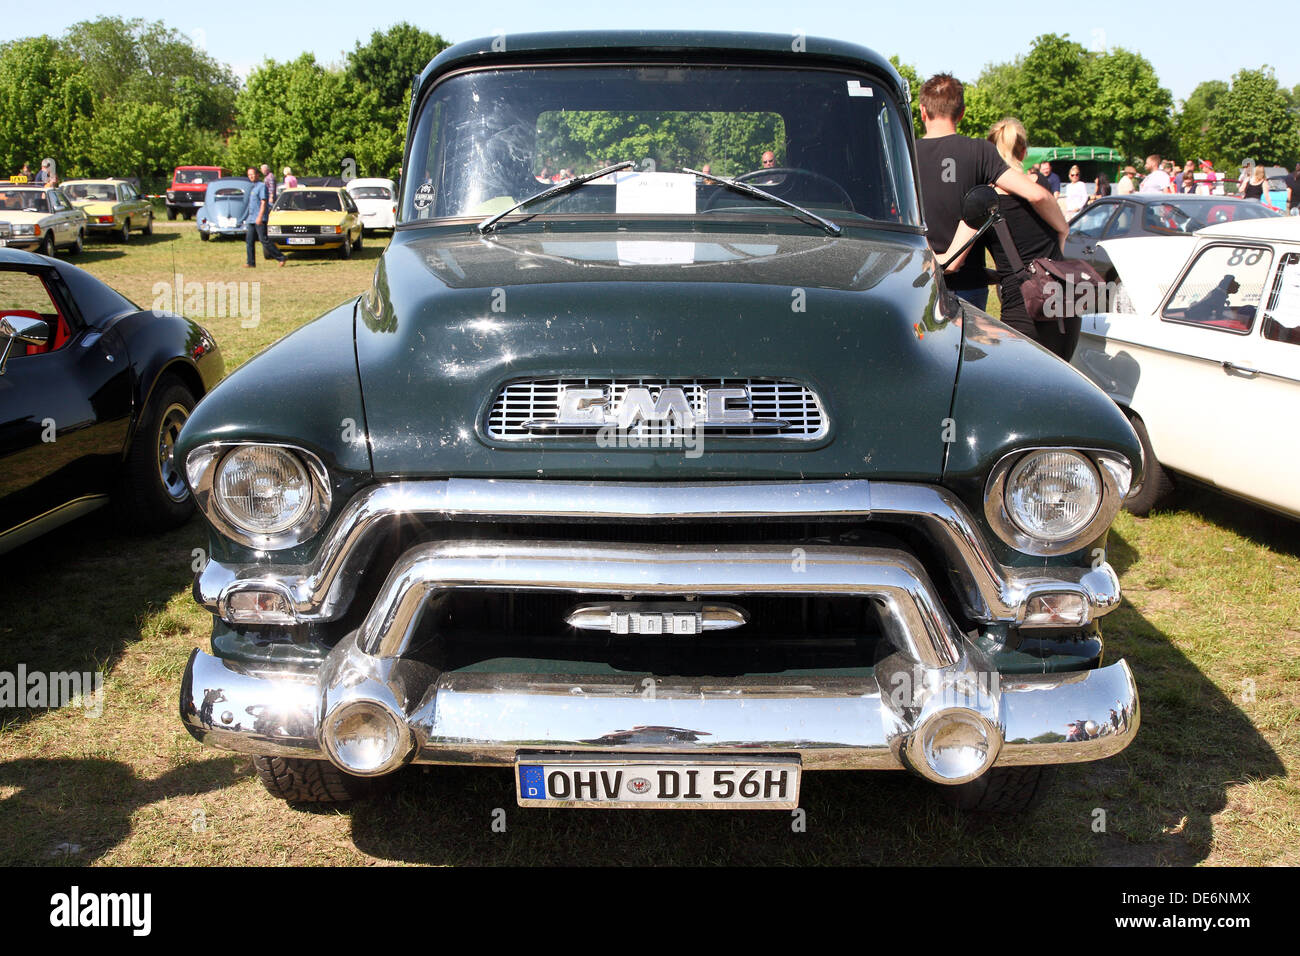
column 377, row 200
column 40, row 219
column 1205, row 358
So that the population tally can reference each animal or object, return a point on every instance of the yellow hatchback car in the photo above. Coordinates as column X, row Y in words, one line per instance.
column 112, row 207
column 315, row 217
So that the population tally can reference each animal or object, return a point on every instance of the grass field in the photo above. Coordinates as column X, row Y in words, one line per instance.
column 1210, row 624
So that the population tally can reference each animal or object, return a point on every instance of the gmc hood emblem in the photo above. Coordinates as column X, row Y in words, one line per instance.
column 598, row 407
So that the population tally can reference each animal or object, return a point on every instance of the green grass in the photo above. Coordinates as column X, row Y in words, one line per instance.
column 1212, row 602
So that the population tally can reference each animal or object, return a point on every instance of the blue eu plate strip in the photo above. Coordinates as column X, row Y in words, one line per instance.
column 532, row 782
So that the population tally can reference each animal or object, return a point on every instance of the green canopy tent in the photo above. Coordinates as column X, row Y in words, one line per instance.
column 1091, row 160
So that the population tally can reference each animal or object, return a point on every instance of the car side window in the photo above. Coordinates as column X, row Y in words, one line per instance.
column 25, row 294
column 1092, row 222
column 1162, row 217
column 1222, row 289
column 1122, row 224
column 1282, row 316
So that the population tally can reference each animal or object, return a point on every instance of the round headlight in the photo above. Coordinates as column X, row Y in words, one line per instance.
column 262, row 489
column 1052, row 495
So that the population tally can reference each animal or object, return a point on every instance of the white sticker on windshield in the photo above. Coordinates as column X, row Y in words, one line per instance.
column 655, row 253
column 664, row 193
column 857, row 89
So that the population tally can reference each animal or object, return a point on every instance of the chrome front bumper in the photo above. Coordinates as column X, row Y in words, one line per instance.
column 991, row 592
column 880, row 721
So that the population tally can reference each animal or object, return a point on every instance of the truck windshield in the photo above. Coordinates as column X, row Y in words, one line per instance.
column 826, row 140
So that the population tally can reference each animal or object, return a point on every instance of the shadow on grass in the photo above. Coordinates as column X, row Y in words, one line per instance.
column 72, row 812
column 74, row 599
column 1258, row 525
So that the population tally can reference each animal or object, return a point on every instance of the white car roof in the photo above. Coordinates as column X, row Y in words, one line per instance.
column 371, row 182
column 1271, row 229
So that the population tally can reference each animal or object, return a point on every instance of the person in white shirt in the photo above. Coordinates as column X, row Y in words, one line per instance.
column 1076, row 192
column 1157, row 180
column 1125, row 184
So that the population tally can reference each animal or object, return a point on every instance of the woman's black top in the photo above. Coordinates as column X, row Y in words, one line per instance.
column 1253, row 190
column 1034, row 239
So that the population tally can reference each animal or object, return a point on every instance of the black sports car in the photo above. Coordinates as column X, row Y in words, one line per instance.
column 93, row 392
column 1150, row 214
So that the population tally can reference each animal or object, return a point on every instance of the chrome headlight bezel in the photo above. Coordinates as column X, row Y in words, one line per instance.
column 1114, row 473
column 201, row 468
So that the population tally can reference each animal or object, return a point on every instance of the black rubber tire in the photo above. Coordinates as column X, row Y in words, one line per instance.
column 47, row 246
column 345, row 251
column 142, row 501
column 1001, row 790
column 125, row 235
column 171, row 214
column 203, row 235
column 80, row 244
column 148, row 226
column 1156, row 483
column 189, row 214
column 313, row 781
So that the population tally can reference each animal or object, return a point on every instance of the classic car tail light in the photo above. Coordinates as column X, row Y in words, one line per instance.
column 104, row 219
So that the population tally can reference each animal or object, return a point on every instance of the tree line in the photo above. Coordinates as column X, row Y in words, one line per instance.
column 130, row 97
column 1067, row 95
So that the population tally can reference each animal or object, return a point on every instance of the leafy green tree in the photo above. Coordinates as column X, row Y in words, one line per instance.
column 991, row 98
column 307, row 116
column 1128, row 109
column 1051, row 95
column 389, row 62
column 136, row 61
column 1253, row 120
column 1193, row 134
column 44, row 99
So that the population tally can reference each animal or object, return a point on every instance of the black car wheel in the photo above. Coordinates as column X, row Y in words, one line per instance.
column 313, row 781
column 148, row 226
column 125, row 234
column 361, row 235
column 152, row 494
column 1156, row 483
column 80, row 244
column 203, row 235
column 171, row 213
column 345, row 252
column 47, row 245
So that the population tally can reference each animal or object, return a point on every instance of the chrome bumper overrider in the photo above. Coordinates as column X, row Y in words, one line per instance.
column 934, row 680
column 991, row 592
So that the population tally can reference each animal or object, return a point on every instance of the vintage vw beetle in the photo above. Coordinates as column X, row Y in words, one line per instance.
column 668, row 481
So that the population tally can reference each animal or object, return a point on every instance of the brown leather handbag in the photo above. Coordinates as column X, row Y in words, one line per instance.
column 1053, row 289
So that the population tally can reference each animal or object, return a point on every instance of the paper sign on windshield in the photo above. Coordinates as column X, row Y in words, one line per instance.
column 661, row 193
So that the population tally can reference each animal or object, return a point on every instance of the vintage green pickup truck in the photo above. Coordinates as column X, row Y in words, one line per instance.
column 657, row 463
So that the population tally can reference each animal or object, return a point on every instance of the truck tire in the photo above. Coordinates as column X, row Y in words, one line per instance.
column 1001, row 790
column 311, row 781
column 1156, row 484
column 171, row 214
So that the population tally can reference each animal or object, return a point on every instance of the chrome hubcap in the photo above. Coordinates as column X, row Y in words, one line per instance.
column 169, row 470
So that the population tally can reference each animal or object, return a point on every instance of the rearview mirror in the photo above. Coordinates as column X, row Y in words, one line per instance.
column 23, row 329
column 978, row 206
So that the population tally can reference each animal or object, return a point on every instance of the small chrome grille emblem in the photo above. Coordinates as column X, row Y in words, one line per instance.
column 671, row 618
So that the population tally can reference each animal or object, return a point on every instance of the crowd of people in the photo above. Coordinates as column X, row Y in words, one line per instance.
column 1034, row 206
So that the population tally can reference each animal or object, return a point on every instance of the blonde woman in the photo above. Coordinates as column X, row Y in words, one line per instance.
column 1257, row 188
column 1034, row 239
column 1076, row 192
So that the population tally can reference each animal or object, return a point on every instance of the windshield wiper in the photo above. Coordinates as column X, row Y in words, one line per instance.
column 749, row 190
column 556, row 190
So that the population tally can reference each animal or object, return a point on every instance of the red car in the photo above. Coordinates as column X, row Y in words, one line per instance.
column 189, row 184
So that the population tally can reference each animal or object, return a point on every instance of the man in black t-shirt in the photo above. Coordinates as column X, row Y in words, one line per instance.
column 950, row 166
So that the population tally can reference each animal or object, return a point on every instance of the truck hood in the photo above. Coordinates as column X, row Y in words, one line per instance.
column 451, row 319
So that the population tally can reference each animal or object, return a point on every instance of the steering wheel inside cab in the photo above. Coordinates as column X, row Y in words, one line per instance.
column 800, row 186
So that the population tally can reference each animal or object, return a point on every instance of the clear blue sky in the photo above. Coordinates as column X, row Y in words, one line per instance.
column 1193, row 40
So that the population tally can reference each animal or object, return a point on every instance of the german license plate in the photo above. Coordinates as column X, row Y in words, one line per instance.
column 226, row 222
column 300, row 241
column 648, row 782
